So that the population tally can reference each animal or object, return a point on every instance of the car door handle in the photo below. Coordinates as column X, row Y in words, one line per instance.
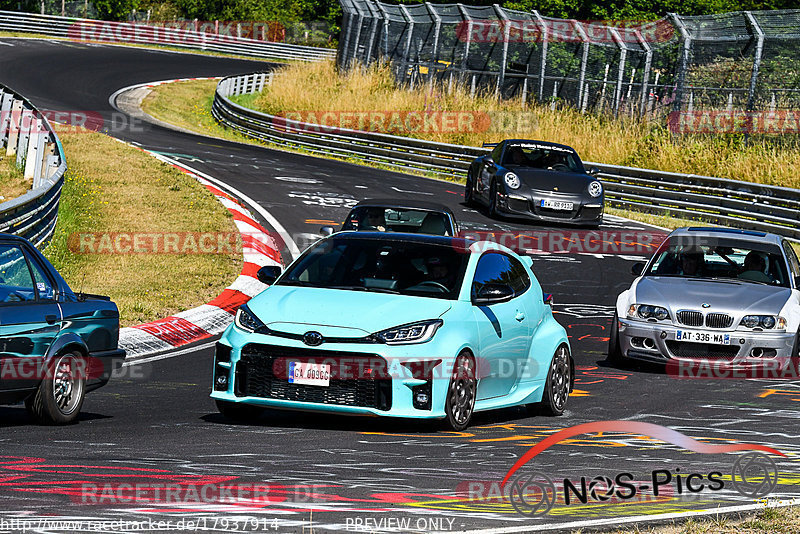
column 51, row 319
column 519, row 316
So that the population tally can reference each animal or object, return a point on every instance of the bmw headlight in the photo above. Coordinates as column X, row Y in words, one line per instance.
column 767, row 322
column 410, row 333
column 646, row 311
column 246, row 320
column 512, row 180
column 595, row 189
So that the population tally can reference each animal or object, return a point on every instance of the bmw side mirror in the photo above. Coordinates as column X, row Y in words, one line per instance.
column 637, row 268
column 325, row 231
column 594, row 171
column 492, row 294
column 489, row 161
column 268, row 274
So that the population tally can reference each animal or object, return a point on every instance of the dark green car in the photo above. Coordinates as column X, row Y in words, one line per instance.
column 55, row 345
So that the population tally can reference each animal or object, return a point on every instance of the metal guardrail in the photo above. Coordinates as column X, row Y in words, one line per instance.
column 730, row 202
column 27, row 136
column 88, row 30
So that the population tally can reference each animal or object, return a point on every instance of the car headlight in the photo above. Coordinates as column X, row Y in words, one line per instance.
column 246, row 321
column 512, row 180
column 646, row 311
column 595, row 189
column 767, row 322
column 410, row 333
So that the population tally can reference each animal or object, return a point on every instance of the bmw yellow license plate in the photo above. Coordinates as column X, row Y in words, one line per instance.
column 556, row 204
column 696, row 336
column 310, row 374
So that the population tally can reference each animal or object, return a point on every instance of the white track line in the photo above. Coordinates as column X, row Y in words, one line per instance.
column 616, row 521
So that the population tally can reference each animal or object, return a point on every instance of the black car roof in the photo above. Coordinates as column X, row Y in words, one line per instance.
column 455, row 242
column 404, row 203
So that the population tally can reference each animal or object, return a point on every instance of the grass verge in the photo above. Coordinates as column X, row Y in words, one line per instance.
column 12, row 181
column 113, row 187
column 319, row 87
column 766, row 521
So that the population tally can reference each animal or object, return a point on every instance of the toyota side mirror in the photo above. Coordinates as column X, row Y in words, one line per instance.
column 325, row 231
column 637, row 268
column 594, row 171
column 797, row 282
column 492, row 294
column 268, row 274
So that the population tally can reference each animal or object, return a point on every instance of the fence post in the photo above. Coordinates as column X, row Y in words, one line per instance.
column 465, row 16
column 5, row 116
column 373, row 30
column 751, row 92
column 407, row 49
column 385, row 37
column 358, row 31
column 648, row 62
column 545, row 40
column 347, row 7
column 501, row 78
column 24, row 135
column 684, row 67
column 621, row 71
column 584, row 60
column 13, row 131
column 437, row 29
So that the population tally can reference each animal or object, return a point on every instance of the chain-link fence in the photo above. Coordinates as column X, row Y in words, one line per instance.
column 734, row 61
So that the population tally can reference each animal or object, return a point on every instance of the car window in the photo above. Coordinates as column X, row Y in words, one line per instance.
column 43, row 284
column 406, row 220
column 541, row 157
column 715, row 258
column 794, row 263
column 520, row 281
column 16, row 282
column 494, row 268
column 498, row 150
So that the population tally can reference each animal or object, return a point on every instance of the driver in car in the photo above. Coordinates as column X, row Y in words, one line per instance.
column 439, row 272
column 374, row 221
column 754, row 267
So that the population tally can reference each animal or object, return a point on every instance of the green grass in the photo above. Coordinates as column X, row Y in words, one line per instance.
column 12, row 181
column 111, row 187
column 765, row 521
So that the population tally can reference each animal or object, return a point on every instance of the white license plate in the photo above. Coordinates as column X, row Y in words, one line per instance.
column 556, row 204
column 695, row 336
column 311, row 374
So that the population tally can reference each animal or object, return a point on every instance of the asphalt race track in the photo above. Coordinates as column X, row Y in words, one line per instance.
column 157, row 428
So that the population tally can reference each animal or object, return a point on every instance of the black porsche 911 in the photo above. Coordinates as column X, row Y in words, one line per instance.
column 536, row 180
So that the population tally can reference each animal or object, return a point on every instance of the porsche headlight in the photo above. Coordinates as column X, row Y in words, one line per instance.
column 646, row 311
column 410, row 333
column 512, row 180
column 246, row 320
column 767, row 322
column 595, row 189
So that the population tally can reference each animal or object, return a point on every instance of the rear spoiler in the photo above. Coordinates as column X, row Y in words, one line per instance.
column 490, row 145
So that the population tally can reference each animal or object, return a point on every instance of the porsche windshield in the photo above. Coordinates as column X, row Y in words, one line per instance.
column 542, row 157
column 406, row 220
column 381, row 265
column 713, row 258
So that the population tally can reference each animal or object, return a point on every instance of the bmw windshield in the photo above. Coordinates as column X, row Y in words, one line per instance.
column 721, row 259
column 403, row 267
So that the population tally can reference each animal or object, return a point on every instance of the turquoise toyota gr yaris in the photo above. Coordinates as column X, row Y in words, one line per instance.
column 399, row 325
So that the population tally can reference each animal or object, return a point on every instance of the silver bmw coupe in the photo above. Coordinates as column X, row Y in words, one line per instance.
column 711, row 294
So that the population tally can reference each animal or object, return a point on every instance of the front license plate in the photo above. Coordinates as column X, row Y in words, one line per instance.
column 556, row 204
column 694, row 336
column 311, row 374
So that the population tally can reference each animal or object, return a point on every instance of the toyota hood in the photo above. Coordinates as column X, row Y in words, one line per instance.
column 294, row 309
column 727, row 296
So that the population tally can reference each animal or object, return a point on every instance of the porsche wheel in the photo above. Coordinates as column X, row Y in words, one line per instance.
column 469, row 198
column 493, row 201
column 461, row 393
column 60, row 395
column 557, row 386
